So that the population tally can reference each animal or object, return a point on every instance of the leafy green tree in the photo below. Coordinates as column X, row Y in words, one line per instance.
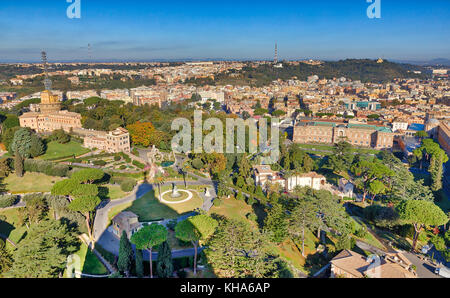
column 376, row 188
column 125, row 261
column 6, row 260
column 37, row 147
column 65, row 188
column 304, row 216
column 342, row 157
column 88, row 176
column 149, row 237
column 159, row 181
column 85, row 205
column 276, row 223
column 60, row 136
column 8, row 137
column 195, row 229
column 22, row 142
column 43, row 252
column 421, row 214
column 421, row 134
column 139, row 263
column 164, row 265
column 238, row 251
column 368, row 171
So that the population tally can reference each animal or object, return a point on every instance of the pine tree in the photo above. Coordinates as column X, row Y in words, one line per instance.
column 18, row 164
column 139, row 264
column 125, row 255
column 37, row 147
column 164, row 265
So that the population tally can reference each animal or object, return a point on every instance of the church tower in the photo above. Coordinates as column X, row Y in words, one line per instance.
column 49, row 102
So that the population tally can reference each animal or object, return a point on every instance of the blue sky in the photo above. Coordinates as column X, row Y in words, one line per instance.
column 146, row 29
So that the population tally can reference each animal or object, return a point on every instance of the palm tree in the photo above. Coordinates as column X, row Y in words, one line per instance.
column 160, row 180
column 184, row 171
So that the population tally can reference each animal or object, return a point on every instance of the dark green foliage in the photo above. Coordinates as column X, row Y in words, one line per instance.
column 138, row 164
column 8, row 200
column 126, row 257
column 345, row 242
column 164, row 265
column 139, row 263
column 46, row 167
column 37, row 147
column 18, row 164
column 60, row 136
column 197, row 164
column 276, row 223
column 6, row 259
column 126, row 184
column 44, row 251
column 100, row 163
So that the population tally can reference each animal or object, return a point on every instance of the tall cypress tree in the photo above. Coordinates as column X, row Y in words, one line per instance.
column 18, row 163
column 125, row 255
column 164, row 265
column 139, row 263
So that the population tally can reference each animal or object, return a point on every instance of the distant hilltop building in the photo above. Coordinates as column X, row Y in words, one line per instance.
column 379, row 61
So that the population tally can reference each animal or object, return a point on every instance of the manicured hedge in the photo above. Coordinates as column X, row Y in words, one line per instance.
column 138, row 164
column 126, row 184
column 46, row 167
column 8, row 201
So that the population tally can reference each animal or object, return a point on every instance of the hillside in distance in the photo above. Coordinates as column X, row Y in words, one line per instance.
column 364, row 70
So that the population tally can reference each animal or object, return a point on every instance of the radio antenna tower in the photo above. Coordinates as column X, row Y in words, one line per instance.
column 275, row 61
column 47, row 81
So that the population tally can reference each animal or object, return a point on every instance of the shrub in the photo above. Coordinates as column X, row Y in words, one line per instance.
column 117, row 157
column 8, row 201
column 438, row 242
column 46, row 167
column 138, row 164
column 251, row 216
column 122, row 167
column 197, row 164
column 251, row 201
column 361, row 233
column 181, row 273
column 128, row 185
column 100, row 163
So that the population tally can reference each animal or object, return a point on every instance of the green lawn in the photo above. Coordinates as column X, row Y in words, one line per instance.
column 115, row 192
column 10, row 228
column 148, row 208
column 56, row 150
column 90, row 263
column 330, row 148
column 30, row 183
column 369, row 238
column 232, row 209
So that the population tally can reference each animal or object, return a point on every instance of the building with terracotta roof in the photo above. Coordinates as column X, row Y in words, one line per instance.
column 349, row 264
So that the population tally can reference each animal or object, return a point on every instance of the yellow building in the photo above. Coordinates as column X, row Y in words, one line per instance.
column 49, row 102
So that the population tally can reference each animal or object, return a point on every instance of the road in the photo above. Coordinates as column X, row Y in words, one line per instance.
column 109, row 242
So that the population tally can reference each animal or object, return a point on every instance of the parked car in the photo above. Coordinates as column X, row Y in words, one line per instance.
column 443, row 271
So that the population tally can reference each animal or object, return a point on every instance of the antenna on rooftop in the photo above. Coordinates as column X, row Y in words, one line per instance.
column 47, row 81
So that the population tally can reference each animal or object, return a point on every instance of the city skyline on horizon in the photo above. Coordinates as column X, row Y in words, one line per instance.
column 138, row 32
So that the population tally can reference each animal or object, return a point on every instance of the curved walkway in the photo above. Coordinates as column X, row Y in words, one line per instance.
column 110, row 242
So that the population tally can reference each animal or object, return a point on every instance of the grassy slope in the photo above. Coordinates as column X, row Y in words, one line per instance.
column 56, row 150
column 30, row 182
